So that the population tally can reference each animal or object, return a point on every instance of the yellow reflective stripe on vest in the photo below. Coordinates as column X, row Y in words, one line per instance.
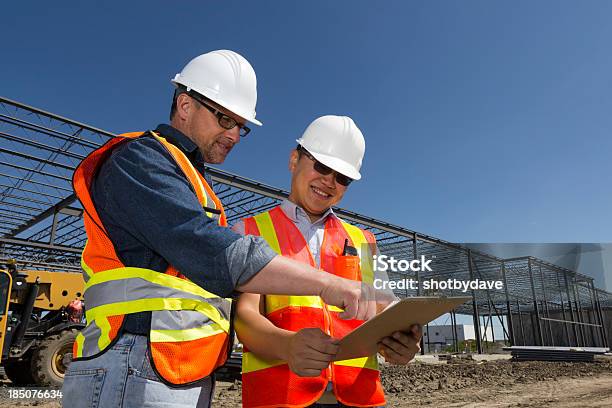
column 145, row 305
column 277, row 302
column 88, row 271
column 104, row 326
column 251, row 362
column 363, row 248
column 151, row 276
column 267, row 231
column 362, row 362
column 185, row 334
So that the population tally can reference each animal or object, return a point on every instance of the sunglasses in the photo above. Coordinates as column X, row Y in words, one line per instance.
column 226, row 122
column 324, row 170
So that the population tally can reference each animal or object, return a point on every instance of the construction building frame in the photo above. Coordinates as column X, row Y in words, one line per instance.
column 41, row 227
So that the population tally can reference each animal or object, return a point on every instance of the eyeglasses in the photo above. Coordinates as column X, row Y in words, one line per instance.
column 324, row 170
column 226, row 122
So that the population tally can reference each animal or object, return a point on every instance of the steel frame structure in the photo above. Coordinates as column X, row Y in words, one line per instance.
column 41, row 227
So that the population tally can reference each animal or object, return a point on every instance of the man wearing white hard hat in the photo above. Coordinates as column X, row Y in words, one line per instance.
column 160, row 265
column 290, row 341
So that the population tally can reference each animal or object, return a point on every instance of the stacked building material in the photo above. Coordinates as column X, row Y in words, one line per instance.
column 535, row 353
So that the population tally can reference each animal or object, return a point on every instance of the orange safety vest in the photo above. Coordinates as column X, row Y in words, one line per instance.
column 189, row 335
column 356, row 382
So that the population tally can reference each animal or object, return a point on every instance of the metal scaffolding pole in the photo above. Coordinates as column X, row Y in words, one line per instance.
column 603, row 324
column 596, row 316
column 475, row 307
column 415, row 255
column 533, row 326
column 565, row 324
column 590, row 319
column 579, row 315
column 509, row 314
column 518, row 310
column 455, row 336
column 491, row 323
column 537, row 331
column 485, row 336
column 591, row 327
column 545, row 301
column 53, row 228
column 604, row 331
column 569, row 303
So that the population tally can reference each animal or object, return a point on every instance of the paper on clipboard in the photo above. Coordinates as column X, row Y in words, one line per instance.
column 399, row 316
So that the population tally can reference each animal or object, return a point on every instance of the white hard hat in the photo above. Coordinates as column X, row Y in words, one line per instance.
column 225, row 78
column 337, row 142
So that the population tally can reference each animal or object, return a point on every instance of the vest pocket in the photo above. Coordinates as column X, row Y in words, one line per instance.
column 83, row 386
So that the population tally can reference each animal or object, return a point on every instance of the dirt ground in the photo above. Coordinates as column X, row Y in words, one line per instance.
column 486, row 384
column 500, row 384
column 461, row 384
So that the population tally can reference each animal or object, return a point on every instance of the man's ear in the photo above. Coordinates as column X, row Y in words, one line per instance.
column 183, row 106
column 294, row 157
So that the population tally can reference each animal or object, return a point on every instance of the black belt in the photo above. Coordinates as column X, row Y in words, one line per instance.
column 137, row 323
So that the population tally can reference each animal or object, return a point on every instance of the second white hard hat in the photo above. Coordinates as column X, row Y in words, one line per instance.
column 337, row 142
column 224, row 77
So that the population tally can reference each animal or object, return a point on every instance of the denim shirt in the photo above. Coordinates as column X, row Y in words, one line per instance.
column 154, row 219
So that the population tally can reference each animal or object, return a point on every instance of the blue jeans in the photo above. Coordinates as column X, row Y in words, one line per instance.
column 122, row 377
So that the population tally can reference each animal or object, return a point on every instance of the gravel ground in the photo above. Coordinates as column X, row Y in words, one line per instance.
column 462, row 383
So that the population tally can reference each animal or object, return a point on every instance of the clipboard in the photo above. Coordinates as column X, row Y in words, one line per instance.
column 362, row 341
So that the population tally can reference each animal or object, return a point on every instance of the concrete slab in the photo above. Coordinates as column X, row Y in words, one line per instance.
column 428, row 359
column 491, row 357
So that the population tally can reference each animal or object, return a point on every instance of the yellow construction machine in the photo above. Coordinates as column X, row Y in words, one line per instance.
column 40, row 315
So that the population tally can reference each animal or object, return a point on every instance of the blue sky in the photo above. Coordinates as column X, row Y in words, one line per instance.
column 485, row 121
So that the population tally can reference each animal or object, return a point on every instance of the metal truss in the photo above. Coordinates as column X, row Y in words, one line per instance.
column 41, row 227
